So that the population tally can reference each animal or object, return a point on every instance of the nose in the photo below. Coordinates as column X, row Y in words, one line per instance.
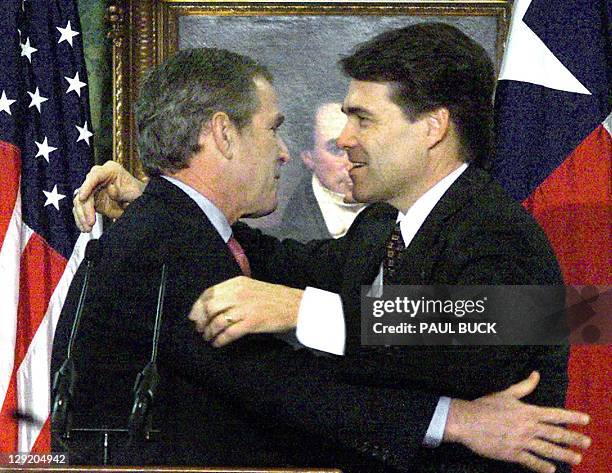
column 346, row 139
column 283, row 152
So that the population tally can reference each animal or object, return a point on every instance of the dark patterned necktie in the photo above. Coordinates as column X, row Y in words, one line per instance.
column 239, row 256
column 395, row 245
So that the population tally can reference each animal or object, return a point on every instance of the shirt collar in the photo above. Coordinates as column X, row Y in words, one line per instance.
column 413, row 219
column 337, row 214
column 216, row 217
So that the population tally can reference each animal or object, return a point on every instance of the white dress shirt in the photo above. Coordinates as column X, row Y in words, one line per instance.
column 216, row 217
column 338, row 215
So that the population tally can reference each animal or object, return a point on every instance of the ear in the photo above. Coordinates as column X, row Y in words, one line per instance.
column 223, row 133
column 307, row 159
column 438, row 124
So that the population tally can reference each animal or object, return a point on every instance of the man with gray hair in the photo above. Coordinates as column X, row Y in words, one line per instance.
column 398, row 157
column 209, row 142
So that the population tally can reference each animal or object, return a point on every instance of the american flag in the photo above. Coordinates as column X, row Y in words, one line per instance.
column 45, row 153
column 554, row 154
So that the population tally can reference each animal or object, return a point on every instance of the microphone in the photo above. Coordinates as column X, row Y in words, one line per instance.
column 141, row 417
column 65, row 377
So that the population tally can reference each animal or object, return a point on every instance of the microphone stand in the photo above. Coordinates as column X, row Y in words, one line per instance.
column 141, row 417
column 65, row 378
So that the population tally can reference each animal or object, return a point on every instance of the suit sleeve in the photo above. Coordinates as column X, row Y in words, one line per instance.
column 472, row 371
column 260, row 373
column 302, row 391
column 318, row 263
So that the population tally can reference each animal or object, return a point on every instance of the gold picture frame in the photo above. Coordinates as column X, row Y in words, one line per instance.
column 145, row 32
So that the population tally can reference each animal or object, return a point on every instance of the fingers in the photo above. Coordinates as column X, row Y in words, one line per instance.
column 525, row 387
column 206, row 309
column 563, row 436
column 231, row 334
column 552, row 415
column 218, row 324
column 96, row 176
column 534, row 463
column 84, row 213
column 198, row 313
column 83, row 202
column 554, row 452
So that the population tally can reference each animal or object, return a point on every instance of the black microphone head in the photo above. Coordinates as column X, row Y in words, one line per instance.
column 92, row 250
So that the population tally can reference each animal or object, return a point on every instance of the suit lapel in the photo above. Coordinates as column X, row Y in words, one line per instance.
column 419, row 259
column 199, row 236
column 377, row 222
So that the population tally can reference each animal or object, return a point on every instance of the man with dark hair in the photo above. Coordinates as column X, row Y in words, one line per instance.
column 457, row 227
column 429, row 66
column 419, row 110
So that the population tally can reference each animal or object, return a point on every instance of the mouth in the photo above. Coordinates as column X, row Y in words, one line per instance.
column 354, row 167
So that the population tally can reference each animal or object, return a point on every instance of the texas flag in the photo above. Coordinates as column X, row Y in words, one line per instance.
column 554, row 154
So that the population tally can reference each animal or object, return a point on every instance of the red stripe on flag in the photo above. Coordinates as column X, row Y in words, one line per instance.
column 10, row 170
column 41, row 268
column 8, row 432
column 590, row 390
column 574, row 206
column 43, row 442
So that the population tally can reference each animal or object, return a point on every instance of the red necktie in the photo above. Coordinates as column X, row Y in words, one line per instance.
column 239, row 255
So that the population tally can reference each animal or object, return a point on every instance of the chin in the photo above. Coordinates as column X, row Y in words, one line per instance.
column 349, row 198
column 263, row 211
column 359, row 197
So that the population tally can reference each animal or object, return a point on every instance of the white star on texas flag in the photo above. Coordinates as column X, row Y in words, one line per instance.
column 528, row 59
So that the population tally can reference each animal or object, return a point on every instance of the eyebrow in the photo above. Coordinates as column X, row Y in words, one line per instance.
column 355, row 111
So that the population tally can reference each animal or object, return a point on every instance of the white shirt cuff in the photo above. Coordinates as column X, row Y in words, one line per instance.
column 320, row 323
column 435, row 431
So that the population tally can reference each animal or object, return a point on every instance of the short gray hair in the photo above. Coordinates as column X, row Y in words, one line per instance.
column 178, row 97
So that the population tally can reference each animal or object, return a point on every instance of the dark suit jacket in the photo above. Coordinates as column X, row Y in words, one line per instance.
column 475, row 235
column 254, row 403
column 302, row 220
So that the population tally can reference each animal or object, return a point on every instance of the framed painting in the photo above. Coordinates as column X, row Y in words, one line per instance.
column 300, row 42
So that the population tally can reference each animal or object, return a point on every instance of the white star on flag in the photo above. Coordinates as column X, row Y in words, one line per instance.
column 53, row 197
column 75, row 84
column 44, row 149
column 67, row 33
column 528, row 59
column 27, row 50
column 84, row 133
column 5, row 103
column 37, row 99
